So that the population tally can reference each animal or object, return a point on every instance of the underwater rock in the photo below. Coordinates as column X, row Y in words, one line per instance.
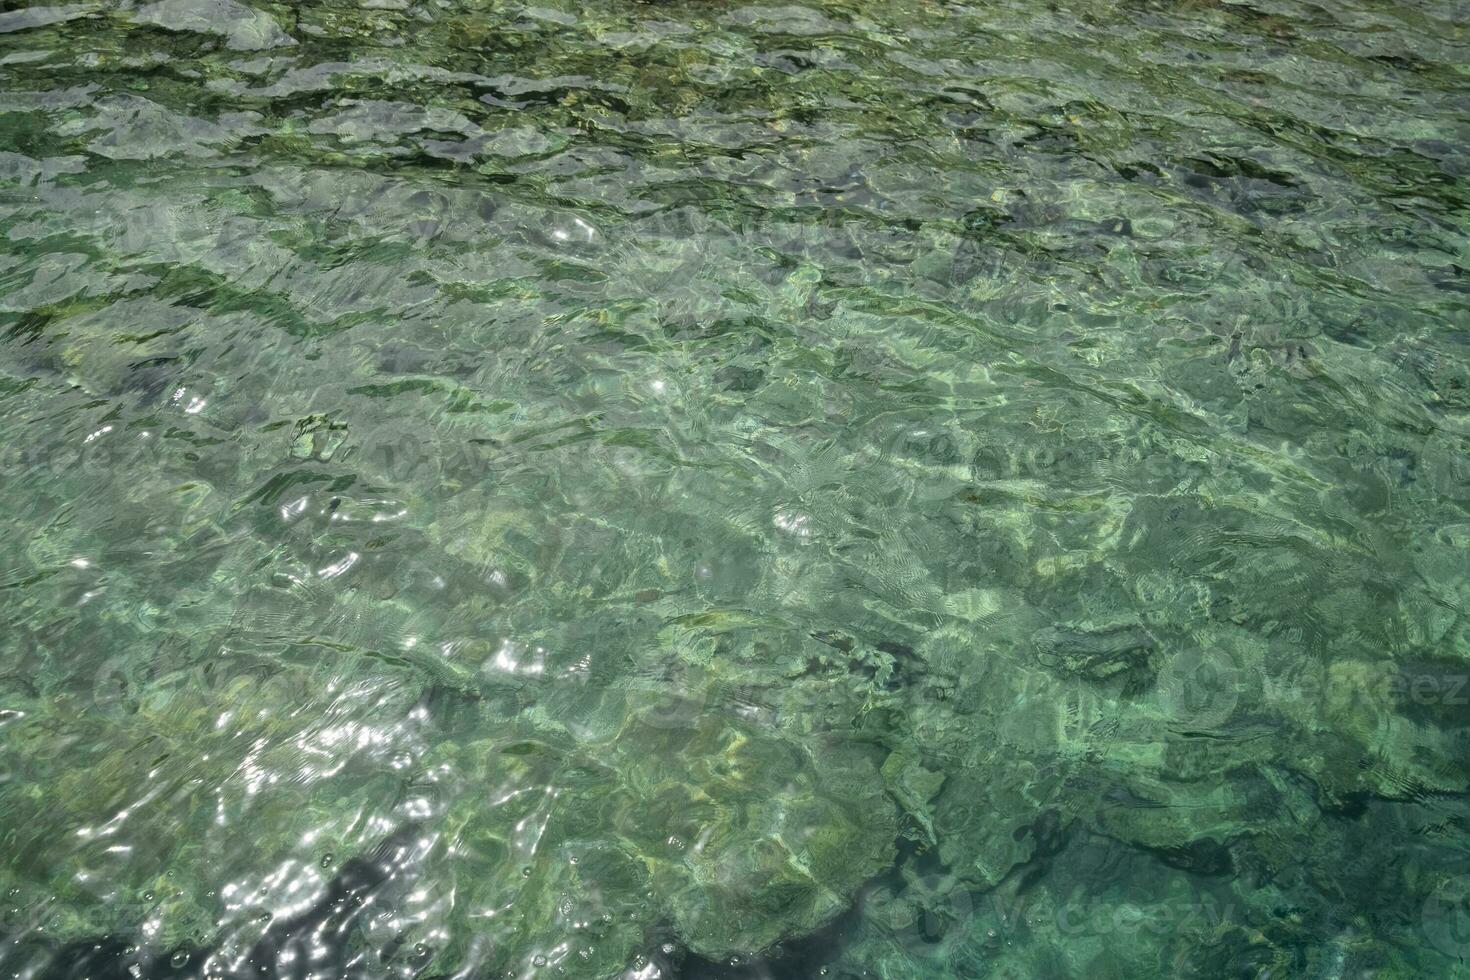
column 243, row 28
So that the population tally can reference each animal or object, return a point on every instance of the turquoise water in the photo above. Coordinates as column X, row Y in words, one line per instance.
column 702, row 489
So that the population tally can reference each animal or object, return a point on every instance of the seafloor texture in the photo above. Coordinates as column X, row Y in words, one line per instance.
column 584, row 489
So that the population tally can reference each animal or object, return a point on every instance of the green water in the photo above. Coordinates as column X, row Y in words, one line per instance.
column 702, row 489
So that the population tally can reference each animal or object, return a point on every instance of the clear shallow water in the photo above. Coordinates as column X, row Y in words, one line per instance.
column 695, row 489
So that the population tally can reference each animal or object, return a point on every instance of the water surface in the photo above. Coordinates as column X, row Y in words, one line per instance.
column 691, row 489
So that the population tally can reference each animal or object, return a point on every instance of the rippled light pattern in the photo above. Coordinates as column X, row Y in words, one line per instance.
column 702, row 489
